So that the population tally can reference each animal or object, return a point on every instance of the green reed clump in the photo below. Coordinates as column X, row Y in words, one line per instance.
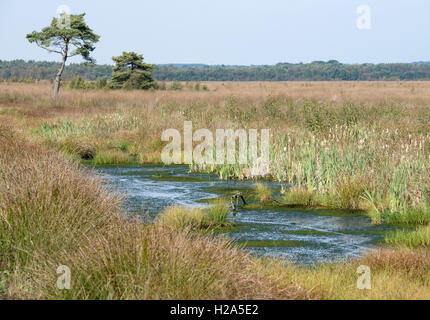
column 301, row 197
column 181, row 218
column 412, row 239
column 413, row 216
column 195, row 218
column 350, row 191
column 216, row 214
column 61, row 128
column 263, row 193
column 111, row 157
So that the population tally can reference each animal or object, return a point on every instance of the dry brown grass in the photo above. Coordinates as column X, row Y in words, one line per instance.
column 223, row 105
column 414, row 263
column 406, row 92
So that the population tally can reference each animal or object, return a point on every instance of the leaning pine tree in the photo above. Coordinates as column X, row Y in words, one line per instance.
column 130, row 72
column 70, row 38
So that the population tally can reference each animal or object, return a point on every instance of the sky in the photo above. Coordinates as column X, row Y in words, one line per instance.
column 232, row 32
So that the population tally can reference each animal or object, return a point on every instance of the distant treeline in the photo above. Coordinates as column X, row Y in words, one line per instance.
column 42, row 70
column 315, row 71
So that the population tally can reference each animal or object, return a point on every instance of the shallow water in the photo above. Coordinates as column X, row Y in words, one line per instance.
column 299, row 235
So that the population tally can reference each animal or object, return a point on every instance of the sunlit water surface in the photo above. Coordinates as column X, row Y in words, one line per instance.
column 299, row 235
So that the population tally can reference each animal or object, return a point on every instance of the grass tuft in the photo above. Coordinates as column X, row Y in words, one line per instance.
column 411, row 239
column 411, row 216
column 111, row 157
column 264, row 194
column 196, row 218
column 300, row 196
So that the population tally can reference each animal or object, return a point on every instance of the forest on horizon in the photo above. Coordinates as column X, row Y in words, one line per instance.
column 332, row 70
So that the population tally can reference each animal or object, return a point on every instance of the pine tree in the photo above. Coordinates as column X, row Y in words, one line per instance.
column 130, row 72
column 62, row 38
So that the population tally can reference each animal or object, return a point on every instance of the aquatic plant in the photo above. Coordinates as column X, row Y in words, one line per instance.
column 216, row 214
column 181, row 218
column 412, row 239
column 300, row 196
column 111, row 157
column 264, row 193
column 195, row 218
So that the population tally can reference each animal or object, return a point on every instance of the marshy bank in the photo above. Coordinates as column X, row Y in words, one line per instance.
column 54, row 212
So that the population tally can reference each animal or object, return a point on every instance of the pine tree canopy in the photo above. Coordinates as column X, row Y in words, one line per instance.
column 78, row 39
column 130, row 72
column 71, row 38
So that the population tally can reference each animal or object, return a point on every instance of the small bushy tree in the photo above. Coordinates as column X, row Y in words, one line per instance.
column 130, row 72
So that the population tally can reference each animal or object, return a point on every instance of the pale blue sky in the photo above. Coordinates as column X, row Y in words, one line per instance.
column 231, row 31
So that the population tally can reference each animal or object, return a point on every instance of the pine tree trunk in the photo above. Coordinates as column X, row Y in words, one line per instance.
column 60, row 72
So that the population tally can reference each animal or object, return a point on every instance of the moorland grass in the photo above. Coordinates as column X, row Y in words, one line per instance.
column 54, row 212
column 357, row 146
column 338, row 141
